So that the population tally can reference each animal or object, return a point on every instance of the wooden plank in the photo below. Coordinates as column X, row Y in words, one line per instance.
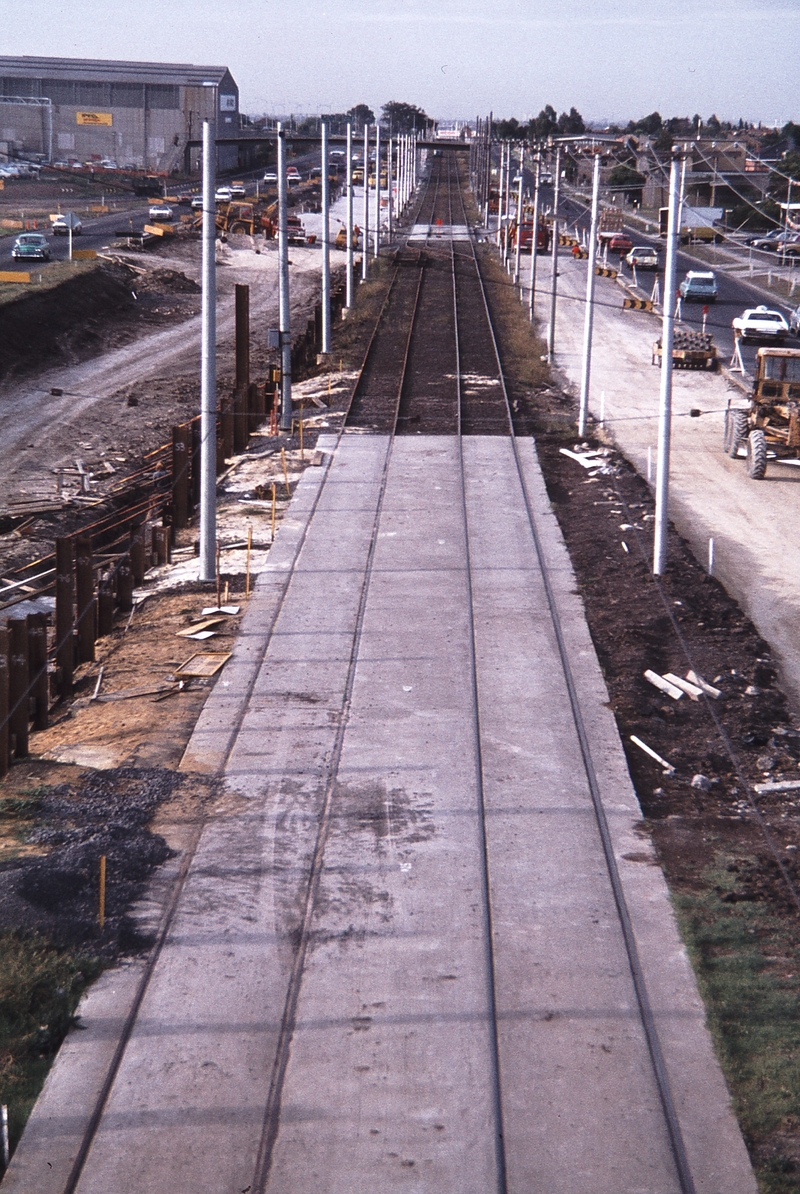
column 205, row 624
column 203, row 665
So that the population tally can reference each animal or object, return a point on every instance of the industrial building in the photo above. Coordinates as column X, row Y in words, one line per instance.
column 137, row 115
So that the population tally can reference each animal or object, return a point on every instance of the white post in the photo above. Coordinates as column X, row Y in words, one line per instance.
column 665, row 402
column 365, row 233
column 349, row 251
column 283, row 287
column 501, row 192
column 535, row 237
column 208, row 362
column 519, row 218
column 377, row 189
column 389, row 185
column 588, row 317
column 551, row 331
column 326, row 245
column 507, row 206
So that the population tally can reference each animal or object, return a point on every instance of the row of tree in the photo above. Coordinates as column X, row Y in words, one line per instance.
column 396, row 117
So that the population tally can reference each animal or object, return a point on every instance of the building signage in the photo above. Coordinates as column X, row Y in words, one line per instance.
column 105, row 118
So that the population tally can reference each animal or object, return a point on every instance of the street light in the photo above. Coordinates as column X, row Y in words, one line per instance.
column 208, row 355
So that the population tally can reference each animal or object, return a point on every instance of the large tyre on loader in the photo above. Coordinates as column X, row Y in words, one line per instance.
column 756, row 454
column 735, row 431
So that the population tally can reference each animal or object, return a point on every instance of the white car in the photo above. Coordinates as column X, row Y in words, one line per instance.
column 197, row 202
column 238, row 190
column 223, row 195
column 160, row 211
column 760, row 323
column 61, row 224
column 270, row 176
column 643, row 257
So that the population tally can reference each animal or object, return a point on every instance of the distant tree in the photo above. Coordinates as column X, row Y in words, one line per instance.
column 713, row 126
column 361, row 115
column 570, row 124
column 791, row 132
column 510, row 130
column 405, row 118
column 649, row 125
column 545, row 124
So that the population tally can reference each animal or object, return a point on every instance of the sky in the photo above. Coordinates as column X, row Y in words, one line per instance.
column 611, row 59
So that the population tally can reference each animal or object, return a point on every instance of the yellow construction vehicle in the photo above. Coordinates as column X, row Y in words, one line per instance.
column 341, row 237
column 247, row 219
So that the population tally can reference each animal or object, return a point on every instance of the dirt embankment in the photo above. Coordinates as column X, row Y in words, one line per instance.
column 96, row 310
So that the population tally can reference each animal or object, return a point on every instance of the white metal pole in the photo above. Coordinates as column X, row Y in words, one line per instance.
column 665, row 401
column 551, row 331
column 507, row 206
column 326, row 245
column 501, row 192
column 389, row 188
column 377, row 189
column 517, row 247
column 283, row 287
column 349, row 250
column 365, row 234
column 588, row 317
column 208, row 362
column 535, row 236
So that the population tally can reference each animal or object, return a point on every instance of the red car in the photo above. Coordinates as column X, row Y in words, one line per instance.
column 620, row 242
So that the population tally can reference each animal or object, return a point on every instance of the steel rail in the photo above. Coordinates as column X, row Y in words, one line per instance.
column 485, row 869
column 647, row 1017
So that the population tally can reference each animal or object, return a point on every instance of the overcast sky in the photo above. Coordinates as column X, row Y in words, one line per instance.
column 615, row 59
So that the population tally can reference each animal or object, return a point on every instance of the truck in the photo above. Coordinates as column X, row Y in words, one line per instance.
column 609, row 225
column 526, row 236
column 697, row 224
column 771, row 422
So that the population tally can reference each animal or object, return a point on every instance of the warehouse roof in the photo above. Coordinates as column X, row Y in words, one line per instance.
column 101, row 70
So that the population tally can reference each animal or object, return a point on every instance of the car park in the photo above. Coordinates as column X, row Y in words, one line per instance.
column 31, row 245
column 643, row 257
column 61, row 225
column 160, row 212
column 761, row 323
column 223, row 195
column 700, row 286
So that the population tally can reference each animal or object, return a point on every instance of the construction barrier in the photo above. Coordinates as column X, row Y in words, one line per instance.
column 634, row 304
column 84, row 254
column 604, row 271
column 159, row 229
column 9, row 275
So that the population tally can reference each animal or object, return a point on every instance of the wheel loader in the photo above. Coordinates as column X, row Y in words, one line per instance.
column 772, row 421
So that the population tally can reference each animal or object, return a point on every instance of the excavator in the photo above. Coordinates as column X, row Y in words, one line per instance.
column 238, row 219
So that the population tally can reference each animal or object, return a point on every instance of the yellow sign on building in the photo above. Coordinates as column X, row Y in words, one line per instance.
column 94, row 118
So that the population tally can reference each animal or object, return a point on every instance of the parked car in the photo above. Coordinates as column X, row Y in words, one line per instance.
column 620, row 242
column 760, row 323
column 160, row 212
column 700, row 286
column 31, row 245
column 60, row 226
column 765, row 240
column 223, row 195
column 643, row 257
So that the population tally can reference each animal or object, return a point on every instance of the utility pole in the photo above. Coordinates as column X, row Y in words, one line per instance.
column 588, row 317
column 326, row 245
column 518, row 246
column 551, row 331
column 501, row 192
column 535, row 237
column 390, row 188
column 665, row 398
column 349, row 251
column 377, row 188
column 284, row 322
column 507, row 205
column 208, row 362
column 365, row 250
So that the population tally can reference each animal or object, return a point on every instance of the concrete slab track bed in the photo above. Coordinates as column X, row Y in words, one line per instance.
column 397, row 960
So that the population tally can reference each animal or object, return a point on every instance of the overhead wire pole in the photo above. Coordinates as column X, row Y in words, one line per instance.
column 365, row 249
column 500, row 192
column 389, row 189
column 377, row 189
column 535, row 236
column 588, row 317
column 326, row 245
column 283, row 288
column 507, row 205
column 208, row 363
column 551, row 330
column 518, row 245
column 348, row 302
column 665, row 397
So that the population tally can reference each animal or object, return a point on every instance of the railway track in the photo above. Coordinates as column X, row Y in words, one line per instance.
column 433, row 368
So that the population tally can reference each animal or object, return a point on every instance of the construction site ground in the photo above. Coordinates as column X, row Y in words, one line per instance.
column 733, row 900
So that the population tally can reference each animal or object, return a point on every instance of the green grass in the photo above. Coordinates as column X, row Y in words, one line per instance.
column 745, row 960
column 39, row 990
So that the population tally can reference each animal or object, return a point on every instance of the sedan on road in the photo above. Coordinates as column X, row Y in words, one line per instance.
column 62, row 224
column 620, row 242
column 643, row 257
column 700, row 285
column 31, row 245
column 760, row 323
column 223, row 195
column 160, row 211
